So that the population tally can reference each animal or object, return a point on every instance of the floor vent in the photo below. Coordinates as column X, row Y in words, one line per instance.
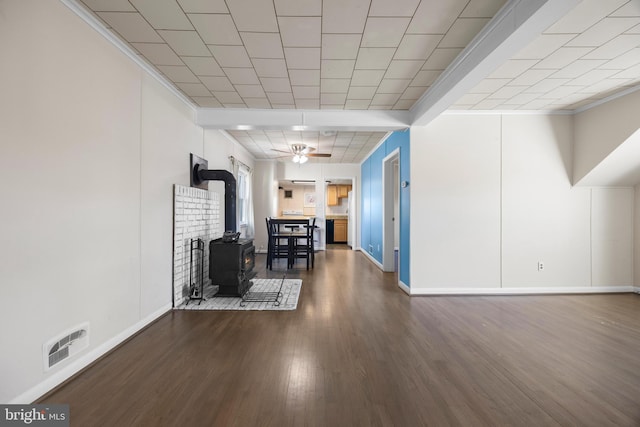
column 66, row 345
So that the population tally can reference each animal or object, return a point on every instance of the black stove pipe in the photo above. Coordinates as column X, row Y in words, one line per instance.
column 201, row 175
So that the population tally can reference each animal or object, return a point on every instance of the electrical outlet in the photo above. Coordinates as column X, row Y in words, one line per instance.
column 540, row 265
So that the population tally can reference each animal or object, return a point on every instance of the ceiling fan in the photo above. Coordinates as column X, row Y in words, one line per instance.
column 301, row 153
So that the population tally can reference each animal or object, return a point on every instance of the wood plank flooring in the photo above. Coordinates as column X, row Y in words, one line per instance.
column 360, row 352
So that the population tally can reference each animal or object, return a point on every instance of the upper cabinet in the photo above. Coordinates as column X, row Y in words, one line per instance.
column 337, row 192
column 343, row 190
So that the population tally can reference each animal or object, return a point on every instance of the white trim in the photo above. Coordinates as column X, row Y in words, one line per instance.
column 79, row 364
column 636, row 289
column 388, row 227
column 378, row 145
column 372, row 259
column 124, row 48
column 522, row 291
column 404, row 287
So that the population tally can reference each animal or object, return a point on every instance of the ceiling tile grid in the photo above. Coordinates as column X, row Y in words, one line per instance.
column 320, row 51
column 589, row 54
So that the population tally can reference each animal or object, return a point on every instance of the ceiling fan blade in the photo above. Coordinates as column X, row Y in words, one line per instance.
column 308, row 149
column 318, row 155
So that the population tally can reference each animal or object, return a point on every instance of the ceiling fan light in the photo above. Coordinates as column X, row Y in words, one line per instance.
column 303, row 159
column 296, row 159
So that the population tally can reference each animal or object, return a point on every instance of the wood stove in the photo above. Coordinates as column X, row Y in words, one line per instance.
column 231, row 266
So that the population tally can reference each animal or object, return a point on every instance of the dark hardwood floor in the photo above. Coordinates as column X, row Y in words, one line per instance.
column 360, row 352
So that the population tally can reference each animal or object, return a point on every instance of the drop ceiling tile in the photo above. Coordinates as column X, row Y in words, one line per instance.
column 251, row 15
column 592, row 77
column 157, row 53
column 231, row 56
column 603, row 31
column 203, row 66
column 381, row 106
column 482, row 8
column 522, row 98
column 543, row 46
column 623, row 61
column 374, row 58
column 242, row 76
column 362, row 92
column 577, row 68
column 228, row 97
column 417, row 46
column 203, row 6
column 217, row 84
column 563, row 57
column 334, row 85
column 471, row 98
column 234, row 105
column 537, row 104
column 109, row 5
column 283, row 107
column 280, row 97
column 629, row 73
column 487, row 104
column 393, row 85
column 131, row 26
column 207, row 101
column 333, row 98
column 367, row 77
column 384, row 32
column 605, row 85
column 561, row 92
column 178, row 73
column 513, row 68
column 163, row 14
column 462, row 31
column 263, row 45
column 546, row 85
column 194, row 89
column 276, row 84
column 387, row 99
column 441, row 58
column 425, row 78
column 507, row 92
column 306, row 92
column 340, row 46
column 489, row 85
column 308, row 104
column 531, row 77
column 250, row 91
column 616, row 47
column 344, row 16
column 270, row 67
column 435, row 17
column 300, row 31
column 413, row 92
column 632, row 8
column 403, row 69
column 584, row 15
column 394, row 8
column 298, row 7
column 404, row 104
column 336, row 68
column 303, row 58
column 216, row 28
column 185, row 43
column 634, row 30
column 304, row 77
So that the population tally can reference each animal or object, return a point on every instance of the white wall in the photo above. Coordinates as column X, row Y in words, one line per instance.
column 91, row 147
column 636, row 243
column 265, row 199
column 492, row 197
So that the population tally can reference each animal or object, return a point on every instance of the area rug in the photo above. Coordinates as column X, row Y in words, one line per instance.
column 288, row 301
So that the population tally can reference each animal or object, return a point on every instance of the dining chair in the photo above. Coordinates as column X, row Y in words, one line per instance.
column 303, row 245
column 278, row 244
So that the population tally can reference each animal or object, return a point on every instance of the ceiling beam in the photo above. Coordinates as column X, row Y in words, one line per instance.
column 517, row 24
column 347, row 120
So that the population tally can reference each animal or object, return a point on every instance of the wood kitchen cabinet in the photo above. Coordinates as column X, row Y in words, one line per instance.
column 332, row 195
column 343, row 191
column 340, row 231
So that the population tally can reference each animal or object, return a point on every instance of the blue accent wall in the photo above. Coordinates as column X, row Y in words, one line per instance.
column 372, row 204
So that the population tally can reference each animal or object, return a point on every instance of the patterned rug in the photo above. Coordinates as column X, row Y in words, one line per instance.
column 267, row 288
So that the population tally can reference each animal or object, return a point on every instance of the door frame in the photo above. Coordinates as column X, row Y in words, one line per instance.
column 388, row 229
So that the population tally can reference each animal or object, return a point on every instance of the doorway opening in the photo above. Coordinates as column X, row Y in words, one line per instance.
column 340, row 214
column 391, row 212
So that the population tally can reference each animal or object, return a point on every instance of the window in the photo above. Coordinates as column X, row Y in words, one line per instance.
column 243, row 197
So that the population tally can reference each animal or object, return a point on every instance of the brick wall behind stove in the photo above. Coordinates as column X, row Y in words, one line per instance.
column 197, row 214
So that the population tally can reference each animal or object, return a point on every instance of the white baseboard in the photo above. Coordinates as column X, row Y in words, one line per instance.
column 76, row 366
column 636, row 289
column 522, row 291
column 372, row 259
column 404, row 287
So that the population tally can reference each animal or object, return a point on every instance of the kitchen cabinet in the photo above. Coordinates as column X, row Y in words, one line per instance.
column 332, row 195
column 340, row 230
column 343, row 191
